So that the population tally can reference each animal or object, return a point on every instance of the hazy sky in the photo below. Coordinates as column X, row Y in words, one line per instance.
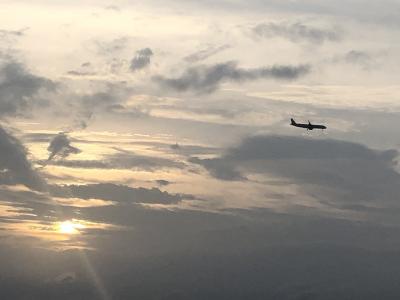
column 146, row 151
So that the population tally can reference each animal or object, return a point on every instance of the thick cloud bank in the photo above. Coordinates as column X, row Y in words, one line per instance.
column 340, row 174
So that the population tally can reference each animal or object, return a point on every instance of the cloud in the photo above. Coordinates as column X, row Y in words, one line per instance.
column 115, row 46
column 356, row 57
column 337, row 173
column 219, row 168
column 206, row 79
column 81, row 73
column 113, row 8
column 86, row 65
column 382, row 13
column 60, row 146
column 123, row 160
column 15, row 167
column 142, row 59
column 120, row 194
column 158, row 247
column 20, row 89
column 16, row 33
column 295, row 32
column 87, row 105
column 163, row 249
column 133, row 160
column 188, row 254
column 205, row 53
column 162, row 182
column 363, row 59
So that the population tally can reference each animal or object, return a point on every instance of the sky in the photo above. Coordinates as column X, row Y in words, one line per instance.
column 146, row 150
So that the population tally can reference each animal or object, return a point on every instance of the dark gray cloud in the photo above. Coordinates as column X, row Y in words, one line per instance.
column 205, row 53
column 187, row 254
column 60, row 146
column 206, row 79
column 296, row 32
column 219, row 168
column 20, row 89
column 191, row 255
column 15, row 167
column 248, row 257
column 142, row 59
column 338, row 173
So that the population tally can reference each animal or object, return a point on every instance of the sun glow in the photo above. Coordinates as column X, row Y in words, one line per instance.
column 69, row 227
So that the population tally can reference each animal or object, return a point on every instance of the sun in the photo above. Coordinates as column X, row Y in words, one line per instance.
column 69, row 227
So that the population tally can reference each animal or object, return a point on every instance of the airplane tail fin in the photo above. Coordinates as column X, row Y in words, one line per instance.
column 292, row 122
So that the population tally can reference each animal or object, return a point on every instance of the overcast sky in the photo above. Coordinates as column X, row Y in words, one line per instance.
column 146, row 151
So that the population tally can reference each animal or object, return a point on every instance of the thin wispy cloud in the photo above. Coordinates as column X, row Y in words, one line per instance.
column 296, row 32
column 205, row 53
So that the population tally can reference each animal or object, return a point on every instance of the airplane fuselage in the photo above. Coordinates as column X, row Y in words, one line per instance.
column 308, row 126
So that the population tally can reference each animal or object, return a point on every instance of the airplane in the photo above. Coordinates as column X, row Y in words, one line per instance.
column 308, row 126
